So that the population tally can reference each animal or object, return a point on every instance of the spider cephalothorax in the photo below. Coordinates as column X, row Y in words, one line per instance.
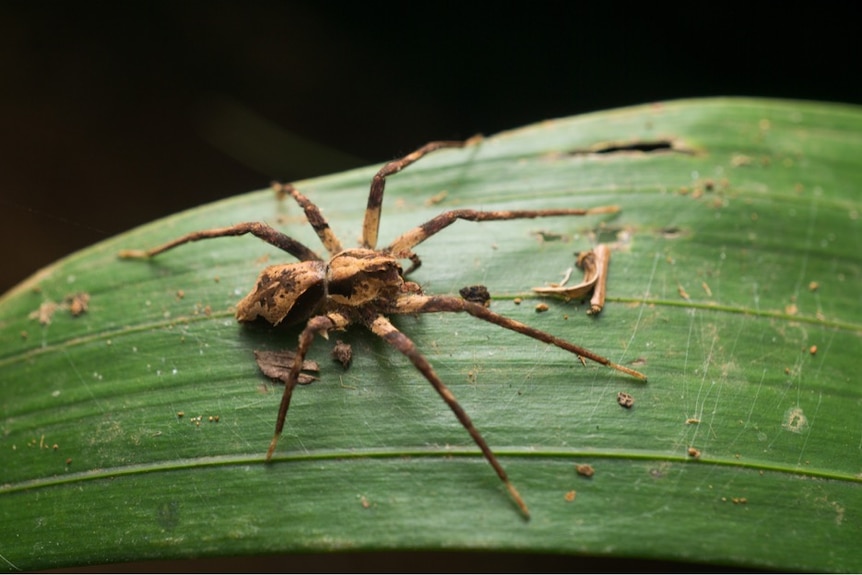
column 364, row 285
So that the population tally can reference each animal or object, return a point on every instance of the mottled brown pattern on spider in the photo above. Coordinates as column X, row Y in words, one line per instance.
column 364, row 285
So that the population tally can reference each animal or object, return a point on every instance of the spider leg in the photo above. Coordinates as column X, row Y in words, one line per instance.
column 375, row 197
column 401, row 247
column 318, row 324
column 409, row 304
column 315, row 218
column 382, row 327
column 258, row 229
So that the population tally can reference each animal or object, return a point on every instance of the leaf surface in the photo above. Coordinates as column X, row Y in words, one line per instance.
column 137, row 429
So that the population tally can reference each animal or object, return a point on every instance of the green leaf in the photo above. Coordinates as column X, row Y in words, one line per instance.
column 736, row 255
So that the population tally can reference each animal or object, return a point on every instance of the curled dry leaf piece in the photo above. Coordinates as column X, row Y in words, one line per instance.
column 277, row 364
column 594, row 264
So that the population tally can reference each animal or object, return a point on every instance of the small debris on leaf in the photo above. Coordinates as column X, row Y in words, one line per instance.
column 436, row 198
column 541, row 307
column 476, row 294
column 625, row 399
column 585, row 470
column 549, row 236
column 277, row 364
column 342, row 353
column 594, row 264
column 77, row 303
column 45, row 312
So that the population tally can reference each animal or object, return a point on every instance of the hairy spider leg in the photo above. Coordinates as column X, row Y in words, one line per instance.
column 315, row 218
column 371, row 225
column 413, row 304
column 384, row 328
column 258, row 229
column 320, row 324
column 401, row 247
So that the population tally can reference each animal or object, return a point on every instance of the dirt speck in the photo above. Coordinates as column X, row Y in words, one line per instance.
column 436, row 198
column 625, row 399
column 476, row 294
column 77, row 303
column 795, row 420
column 585, row 470
column 342, row 353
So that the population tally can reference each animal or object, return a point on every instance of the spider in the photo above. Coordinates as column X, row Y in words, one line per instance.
column 364, row 285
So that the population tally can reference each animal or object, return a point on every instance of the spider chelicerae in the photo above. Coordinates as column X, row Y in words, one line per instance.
column 364, row 285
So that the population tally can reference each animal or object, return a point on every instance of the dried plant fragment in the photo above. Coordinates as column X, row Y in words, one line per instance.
column 476, row 294
column 277, row 364
column 594, row 264
column 342, row 353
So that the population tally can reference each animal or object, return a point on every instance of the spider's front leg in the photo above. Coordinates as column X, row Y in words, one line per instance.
column 371, row 225
column 258, row 229
column 403, row 245
column 318, row 324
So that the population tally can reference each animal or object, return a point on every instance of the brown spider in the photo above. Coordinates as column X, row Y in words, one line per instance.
column 364, row 285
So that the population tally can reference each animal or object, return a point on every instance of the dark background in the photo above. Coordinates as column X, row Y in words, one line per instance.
column 116, row 114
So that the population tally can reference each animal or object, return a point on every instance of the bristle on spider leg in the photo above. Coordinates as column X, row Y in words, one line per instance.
column 272, row 446
column 518, row 500
column 628, row 371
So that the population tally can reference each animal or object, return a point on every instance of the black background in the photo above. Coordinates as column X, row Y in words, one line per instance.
column 115, row 114
column 118, row 113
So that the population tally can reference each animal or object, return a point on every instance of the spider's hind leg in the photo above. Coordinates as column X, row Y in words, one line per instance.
column 384, row 328
column 411, row 304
